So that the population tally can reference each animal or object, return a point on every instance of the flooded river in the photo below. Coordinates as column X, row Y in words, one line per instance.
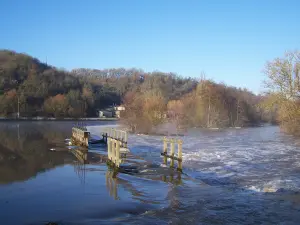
column 230, row 176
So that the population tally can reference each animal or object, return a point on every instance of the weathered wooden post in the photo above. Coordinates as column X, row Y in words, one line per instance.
column 179, row 168
column 109, row 148
column 125, row 139
column 179, row 142
column 172, row 142
column 86, row 136
column 117, row 159
column 165, row 160
column 113, row 150
column 172, row 163
column 165, row 149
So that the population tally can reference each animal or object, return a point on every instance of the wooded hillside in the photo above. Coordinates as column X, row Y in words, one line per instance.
column 43, row 90
column 149, row 98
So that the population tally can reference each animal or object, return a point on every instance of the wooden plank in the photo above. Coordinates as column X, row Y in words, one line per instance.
column 171, row 157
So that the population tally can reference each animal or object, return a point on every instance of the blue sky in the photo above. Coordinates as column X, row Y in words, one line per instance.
column 228, row 40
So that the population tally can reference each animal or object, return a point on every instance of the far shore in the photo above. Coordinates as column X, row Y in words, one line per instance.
column 58, row 119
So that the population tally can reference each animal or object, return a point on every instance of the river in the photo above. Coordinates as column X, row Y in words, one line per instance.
column 230, row 176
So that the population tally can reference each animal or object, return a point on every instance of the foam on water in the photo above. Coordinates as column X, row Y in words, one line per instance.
column 259, row 159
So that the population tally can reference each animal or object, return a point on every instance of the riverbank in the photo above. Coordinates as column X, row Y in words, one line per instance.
column 58, row 119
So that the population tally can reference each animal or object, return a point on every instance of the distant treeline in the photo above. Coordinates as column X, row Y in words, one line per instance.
column 208, row 105
column 42, row 90
column 149, row 98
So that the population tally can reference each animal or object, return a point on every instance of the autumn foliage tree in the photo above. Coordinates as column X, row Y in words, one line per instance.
column 144, row 111
column 56, row 106
column 9, row 102
column 283, row 84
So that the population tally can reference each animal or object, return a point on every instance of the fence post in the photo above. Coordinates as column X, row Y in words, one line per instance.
column 179, row 142
column 165, row 149
column 172, row 147
column 113, row 149
column 117, row 159
column 109, row 148
column 125, row 139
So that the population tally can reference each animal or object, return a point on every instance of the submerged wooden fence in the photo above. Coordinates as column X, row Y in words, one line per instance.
column 116, row 141
column 169, row 146
column 116, row 134
column 80, row 136
column 113, row 148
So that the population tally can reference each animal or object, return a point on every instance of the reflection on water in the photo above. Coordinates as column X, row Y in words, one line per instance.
column 42, row 179
column 112, row 183
column 25, row 150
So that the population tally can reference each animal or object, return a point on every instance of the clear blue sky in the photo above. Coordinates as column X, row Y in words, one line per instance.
column 229, row 40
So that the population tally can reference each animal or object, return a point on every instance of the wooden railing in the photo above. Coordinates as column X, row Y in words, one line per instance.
column 80, row 136
column 169, row 151
column 119, row 135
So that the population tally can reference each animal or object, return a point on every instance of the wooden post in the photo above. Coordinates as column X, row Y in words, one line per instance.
column 165, row 160
column 87, row 142
column 113, row 150
column 125, row 139
column 86, row 138
column 179, row 166
column 117, row 159
column 179, row 142
column 172, row 163
column 109, row 148
column 165, row 148
column 172, row 147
